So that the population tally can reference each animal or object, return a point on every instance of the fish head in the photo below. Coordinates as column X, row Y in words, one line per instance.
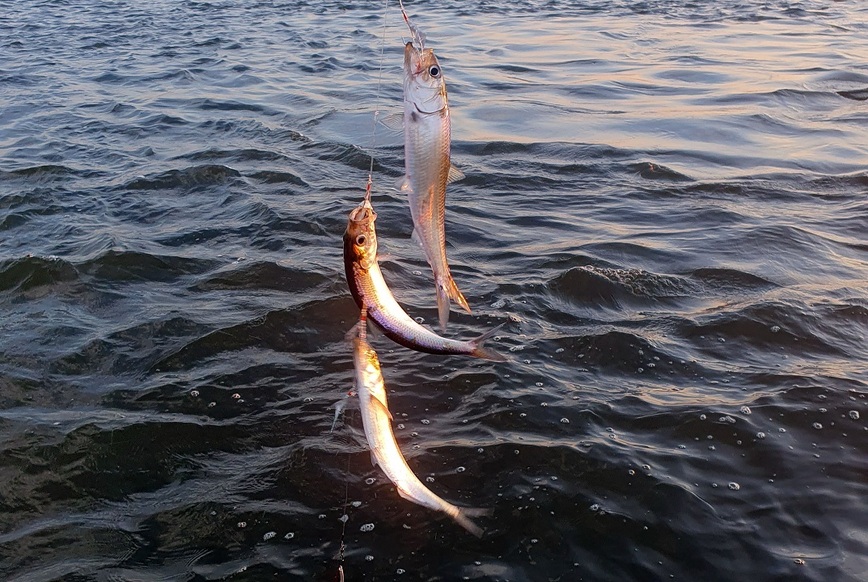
column 424, row 85
column 360, row 238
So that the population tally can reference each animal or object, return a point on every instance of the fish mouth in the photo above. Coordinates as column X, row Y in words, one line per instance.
column 363, row 213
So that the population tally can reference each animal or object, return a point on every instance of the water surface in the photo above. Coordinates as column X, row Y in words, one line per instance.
column 665, row 203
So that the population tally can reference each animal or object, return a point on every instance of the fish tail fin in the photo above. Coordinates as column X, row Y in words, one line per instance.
column 483, row 352
column 447, row 290
column 462, row 516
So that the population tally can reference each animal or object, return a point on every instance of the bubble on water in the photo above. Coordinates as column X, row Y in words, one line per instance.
column 460, row 469
column 429, row 479
column 714, row 485
column 682, row 446
column 499, row 304
column 212, row 404
column 544, row 404
column 631, row 472
column 516, row 348
column 400, row 427
column 366, row 527
column 817, row 425
column 321, row 516
column 417, row 272
column 559, row 351
column 734, row 486
column 595, row 507
column 356, row 503
column 775, row 328
column 533, row 540
column 522, row 414
column 745, row 410
column 236, row 396
column 400, row 571
column 702, row 417
column 194, row 393
column 854, row 414
column 419, row 319
column 539, row 384
column 565, row 420
column 268, row 535
column 344, row 518
column 799, row 561
column 242, row 524
column 760, row 435
column 727, row 419
column 425, row 421
column 369, row 558
column 370, row 481
column 782, row 429
column 824, row 410
column 414, row 434
column 480, row 450
column 289, row 536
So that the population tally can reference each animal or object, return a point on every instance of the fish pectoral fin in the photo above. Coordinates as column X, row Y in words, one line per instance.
column 393, row 121
column 454, row 175
column 381, row 406
column 403, row 184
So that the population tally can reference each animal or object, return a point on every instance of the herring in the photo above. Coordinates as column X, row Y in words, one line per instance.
column 427, row 137
column 377, row 421
column 371, row 293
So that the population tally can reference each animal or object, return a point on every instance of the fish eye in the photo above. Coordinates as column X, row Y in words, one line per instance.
column 434, row 71
column 361, row 239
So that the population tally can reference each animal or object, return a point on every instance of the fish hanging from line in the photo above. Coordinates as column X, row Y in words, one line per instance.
column 371, row 292
column 428, row 169
column 377, row 422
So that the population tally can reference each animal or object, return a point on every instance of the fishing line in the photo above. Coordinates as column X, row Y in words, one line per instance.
column 370, row 182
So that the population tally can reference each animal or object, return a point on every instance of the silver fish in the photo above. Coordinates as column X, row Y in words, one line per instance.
column 371, row 292
column 377, row 421
column 427, row 138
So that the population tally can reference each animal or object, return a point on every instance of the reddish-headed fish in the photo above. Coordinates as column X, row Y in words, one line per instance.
column 427, row 136
column 371, row 293
column 377, row 421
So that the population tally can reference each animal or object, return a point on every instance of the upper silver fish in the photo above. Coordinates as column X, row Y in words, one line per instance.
column 377, row 421
column 427, row 137
column 371, row 293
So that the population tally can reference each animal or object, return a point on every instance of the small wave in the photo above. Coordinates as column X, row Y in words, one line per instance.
column 263, row 276
column 132, row 265
column 31, row 272
column 615, row 287
column 205, row 175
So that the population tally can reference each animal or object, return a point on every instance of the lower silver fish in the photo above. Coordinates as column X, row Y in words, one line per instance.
column 370, row 291
column 377, row 421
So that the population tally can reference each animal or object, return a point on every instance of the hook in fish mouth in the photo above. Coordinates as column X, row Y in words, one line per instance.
column 363, row 213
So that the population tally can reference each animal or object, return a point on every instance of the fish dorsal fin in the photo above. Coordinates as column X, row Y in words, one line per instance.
column 381, row 406
column 393, row 121
column 454, row 175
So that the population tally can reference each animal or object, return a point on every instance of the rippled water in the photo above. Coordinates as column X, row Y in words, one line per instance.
column 665, row 202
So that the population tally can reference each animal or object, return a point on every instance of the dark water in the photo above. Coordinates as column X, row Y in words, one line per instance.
column 666, row 202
